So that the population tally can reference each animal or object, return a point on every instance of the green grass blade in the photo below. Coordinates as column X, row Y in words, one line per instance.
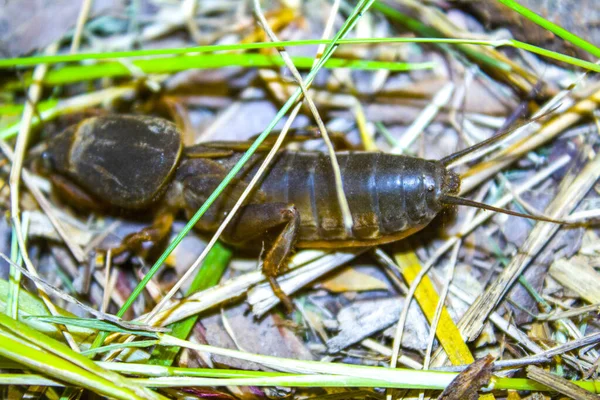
column 120, row 346
column 426, row 31
column 91, row 323
column 38, row 352
column 552, row 27
column 552, row 54
column 208, row 276
column 155, row 370
column 12, row 305
column 52, row 365
column 43, row 59
column 12, row 301
column 79, row 73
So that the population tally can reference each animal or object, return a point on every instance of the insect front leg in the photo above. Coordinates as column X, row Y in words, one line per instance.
column 155, row 233
column 275, row 225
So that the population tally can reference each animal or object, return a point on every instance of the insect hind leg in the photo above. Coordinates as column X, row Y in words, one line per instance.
column 274, row 224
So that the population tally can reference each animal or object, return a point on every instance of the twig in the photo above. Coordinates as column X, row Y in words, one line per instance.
column 559, row 384
column 107, row 285
column 553, row 316
column 440, row 306
column 83, row 15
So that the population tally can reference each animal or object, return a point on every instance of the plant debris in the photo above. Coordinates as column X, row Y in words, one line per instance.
column 156, row 320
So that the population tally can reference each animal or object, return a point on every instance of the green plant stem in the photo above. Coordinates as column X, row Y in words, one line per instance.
column 269, row 60
column 552, row 27
column 28, row 61
column 426, row 31
column 38, row 352
column 78, row 73
column 208, row 276
column 288, row 380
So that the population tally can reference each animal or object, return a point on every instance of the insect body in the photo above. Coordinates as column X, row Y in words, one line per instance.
column 389, row 196
column 136, row 162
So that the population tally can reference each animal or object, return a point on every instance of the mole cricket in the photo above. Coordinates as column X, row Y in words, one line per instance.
column 139, row 163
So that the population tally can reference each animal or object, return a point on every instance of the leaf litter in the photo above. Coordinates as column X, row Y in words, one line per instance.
column 518, row 290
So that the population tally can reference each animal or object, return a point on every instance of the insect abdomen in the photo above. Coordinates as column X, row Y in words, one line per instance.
column 386, row 194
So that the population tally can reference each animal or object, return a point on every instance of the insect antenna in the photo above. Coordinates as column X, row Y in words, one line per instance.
column 498, row 136
column 459, row 201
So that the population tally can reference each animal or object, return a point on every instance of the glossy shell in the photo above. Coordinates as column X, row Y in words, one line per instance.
column 125, row 161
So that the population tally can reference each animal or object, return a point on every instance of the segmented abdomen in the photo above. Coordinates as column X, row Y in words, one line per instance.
column 387, row 194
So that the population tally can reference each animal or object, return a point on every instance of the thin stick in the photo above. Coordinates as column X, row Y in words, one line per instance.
column 559, row 384
column 438, row 311
column 107, row 286
column 440, row 306
column 83, row 15
column 404, row 315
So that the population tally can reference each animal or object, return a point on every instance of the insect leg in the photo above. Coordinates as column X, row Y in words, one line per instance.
column 276, row 226
column 155, row 233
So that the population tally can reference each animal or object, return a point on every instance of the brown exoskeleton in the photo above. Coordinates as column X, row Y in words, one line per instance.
column 135, row 162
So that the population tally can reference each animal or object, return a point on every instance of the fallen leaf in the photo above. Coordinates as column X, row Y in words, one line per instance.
column 265, row 336
column 364, row 318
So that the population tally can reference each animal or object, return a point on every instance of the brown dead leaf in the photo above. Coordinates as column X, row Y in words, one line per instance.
column 362, row 319
column 351, row 280
column 265, row 336
column 467, row 384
